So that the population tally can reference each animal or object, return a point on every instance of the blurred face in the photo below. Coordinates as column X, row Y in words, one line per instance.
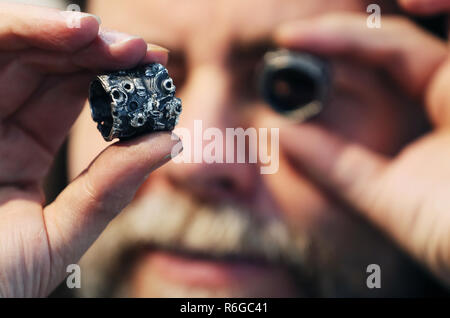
column 216, row 229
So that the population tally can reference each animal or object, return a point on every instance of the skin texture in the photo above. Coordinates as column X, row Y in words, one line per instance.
column 47, row 66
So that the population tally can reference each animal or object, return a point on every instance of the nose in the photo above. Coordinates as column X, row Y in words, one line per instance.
column 209, row 104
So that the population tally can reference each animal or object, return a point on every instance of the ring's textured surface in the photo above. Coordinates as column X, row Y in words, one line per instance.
column 129, row 103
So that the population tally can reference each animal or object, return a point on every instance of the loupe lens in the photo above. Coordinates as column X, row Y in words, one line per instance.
column 295, row 84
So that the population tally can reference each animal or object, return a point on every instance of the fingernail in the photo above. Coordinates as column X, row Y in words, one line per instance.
column 156, row 48
column 75, row 17
column 176, row 149
column 173, row 136
column 94, row 16
column 156, row 54
column 111, row 37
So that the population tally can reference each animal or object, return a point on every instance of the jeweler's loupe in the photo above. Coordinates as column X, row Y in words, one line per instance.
column 295, row 84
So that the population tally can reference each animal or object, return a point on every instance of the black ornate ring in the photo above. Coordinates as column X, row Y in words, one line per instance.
column 129, row 103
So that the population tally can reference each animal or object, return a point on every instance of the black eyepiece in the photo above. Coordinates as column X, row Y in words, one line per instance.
column 295, row 84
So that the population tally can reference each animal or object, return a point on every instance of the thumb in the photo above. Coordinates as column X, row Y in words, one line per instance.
column 81, row 212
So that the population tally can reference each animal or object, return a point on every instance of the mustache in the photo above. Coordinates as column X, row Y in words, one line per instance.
column 223, row 230
column 218, row 231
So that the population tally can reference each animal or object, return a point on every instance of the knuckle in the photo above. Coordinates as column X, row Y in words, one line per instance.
column 90, row 189
column 105, row 197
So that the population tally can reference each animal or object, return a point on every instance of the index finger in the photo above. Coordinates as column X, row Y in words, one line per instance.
column 25, row 26
column 51, row 40
column 406, row 52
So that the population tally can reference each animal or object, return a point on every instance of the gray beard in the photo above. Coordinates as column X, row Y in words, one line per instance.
column 223, row 231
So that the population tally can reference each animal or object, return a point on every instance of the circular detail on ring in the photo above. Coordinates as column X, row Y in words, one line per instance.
column 128, row 86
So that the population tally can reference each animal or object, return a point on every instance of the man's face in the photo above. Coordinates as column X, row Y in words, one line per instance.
column 202, row 229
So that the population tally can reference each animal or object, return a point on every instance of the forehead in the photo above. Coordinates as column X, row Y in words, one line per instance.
column 181, row 23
